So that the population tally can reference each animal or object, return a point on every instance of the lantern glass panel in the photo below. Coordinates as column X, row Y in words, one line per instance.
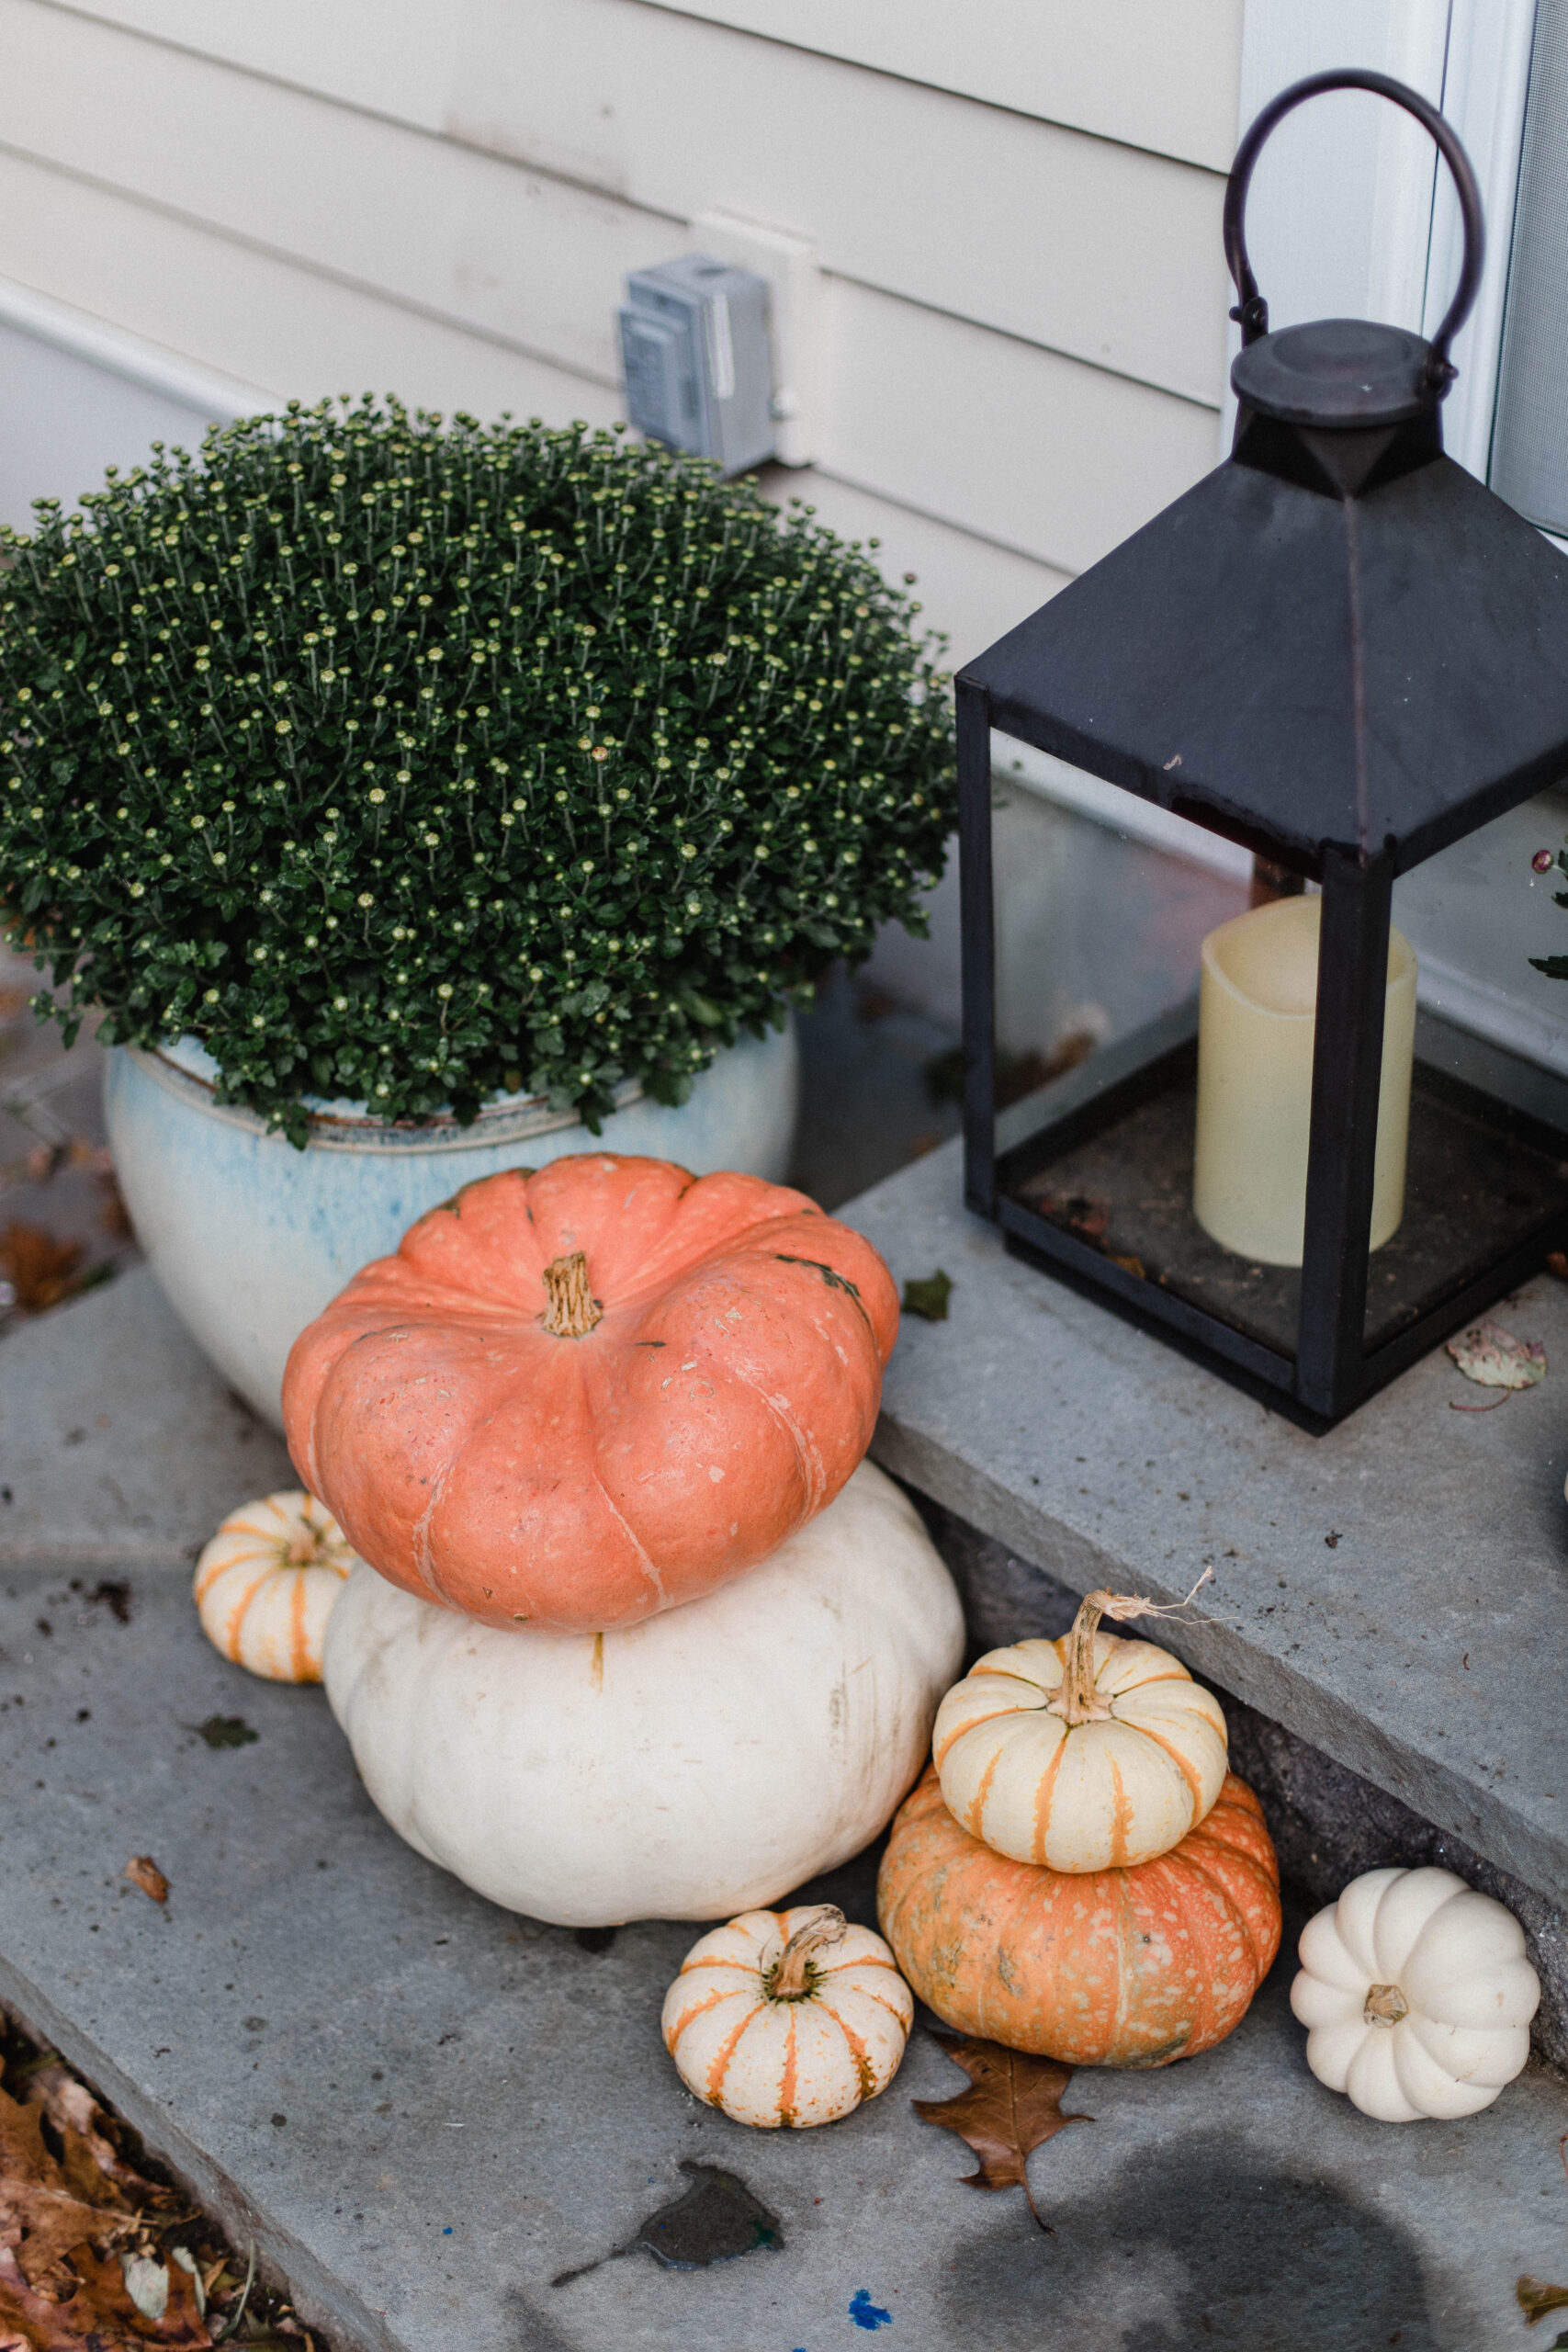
column 1100, row 938
column 1098, row 926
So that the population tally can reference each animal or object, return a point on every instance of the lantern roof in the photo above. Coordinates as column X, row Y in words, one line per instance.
column 1339, row 638
column 1294, row 667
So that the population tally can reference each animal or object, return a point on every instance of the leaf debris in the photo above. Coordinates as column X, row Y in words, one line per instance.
column 1493, row 1358
column 929, row 1298
column 144, row 1872
column 41, row 1270
column 1535, row 2298
column 226, row 1731
column 95, row 2255
column 1013, row 2106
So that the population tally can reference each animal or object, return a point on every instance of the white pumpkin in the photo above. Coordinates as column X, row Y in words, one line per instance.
column 1090, row 1753
column 1416, row 1996
column 267, row 1583
column 788, row 2017
column 695, row 1765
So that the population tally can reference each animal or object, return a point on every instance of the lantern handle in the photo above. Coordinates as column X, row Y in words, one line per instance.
column 1252, row 311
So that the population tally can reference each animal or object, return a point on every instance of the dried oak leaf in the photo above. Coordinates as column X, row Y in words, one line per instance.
column 39, row 2226
column 1495, row 1359
column 1012, row 2107
column 98, row 2314
column 41, row 1270
column 44, row 2213
column 144, row 1872
column 92, row 2164
column 1535, row 2299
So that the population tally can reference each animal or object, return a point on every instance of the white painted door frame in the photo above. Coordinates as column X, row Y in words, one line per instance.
column 1349, row 215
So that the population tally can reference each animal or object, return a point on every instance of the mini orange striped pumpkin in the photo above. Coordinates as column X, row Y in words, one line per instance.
column 266, row 1583
column 1131, row 1967
column 787, row 2017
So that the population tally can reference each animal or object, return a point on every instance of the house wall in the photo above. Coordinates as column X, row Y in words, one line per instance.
column 1016, row 211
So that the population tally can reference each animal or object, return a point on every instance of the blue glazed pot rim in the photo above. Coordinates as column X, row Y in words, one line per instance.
column 187, row 1070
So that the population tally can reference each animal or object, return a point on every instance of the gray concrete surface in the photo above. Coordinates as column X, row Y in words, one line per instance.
column 1395, row 1593
column 426, row 2110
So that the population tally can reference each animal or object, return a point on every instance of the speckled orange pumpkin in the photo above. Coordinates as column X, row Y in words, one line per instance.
column 575, row 1398
column 1098, row 1968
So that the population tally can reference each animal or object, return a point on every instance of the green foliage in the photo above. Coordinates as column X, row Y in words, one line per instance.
column 416, row 762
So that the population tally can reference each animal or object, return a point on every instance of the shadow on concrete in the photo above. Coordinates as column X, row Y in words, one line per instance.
column 1215, row 2249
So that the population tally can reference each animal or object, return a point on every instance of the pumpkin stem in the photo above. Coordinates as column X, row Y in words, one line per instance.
column 571, row 1307
column 790, row 1977
column 1385, row 2006
column 1077, row 1701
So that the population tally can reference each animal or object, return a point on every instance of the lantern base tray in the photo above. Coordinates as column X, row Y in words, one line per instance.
column 1109, row 1178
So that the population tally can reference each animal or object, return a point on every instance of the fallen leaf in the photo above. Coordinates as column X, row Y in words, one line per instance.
column 68, row 2202
column 1535, row 2299
column 1013, row 2106
column 41, row 1270
column 144, row 1872
column 147, row 2284
column 98, row 2314
column 41, row 2217
column 1081, row 1214
column 227, row 1731
column 88, row 2157
column 1495, row 1359
column 39, row 2226
column 929, row 1298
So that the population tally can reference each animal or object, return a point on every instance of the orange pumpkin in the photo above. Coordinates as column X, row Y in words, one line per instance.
column 1131, row 1967
column 575, row 1398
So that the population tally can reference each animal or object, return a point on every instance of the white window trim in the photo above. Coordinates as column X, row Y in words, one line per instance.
column 1321, row 248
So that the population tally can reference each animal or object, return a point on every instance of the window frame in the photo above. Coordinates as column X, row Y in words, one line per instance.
column 1398, row 259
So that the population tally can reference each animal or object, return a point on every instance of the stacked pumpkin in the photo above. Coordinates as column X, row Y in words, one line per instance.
column 1078, row 1873
column 633, row 1630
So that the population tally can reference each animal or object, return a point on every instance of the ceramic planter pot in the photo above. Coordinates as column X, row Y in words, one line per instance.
column 250, row 1238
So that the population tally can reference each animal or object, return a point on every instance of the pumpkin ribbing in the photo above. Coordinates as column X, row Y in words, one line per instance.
column 1131, row 1967
column 730, row 1387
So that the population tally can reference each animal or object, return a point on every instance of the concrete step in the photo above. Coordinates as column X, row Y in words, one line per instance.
column 1395, row 1592
column 426, row 2110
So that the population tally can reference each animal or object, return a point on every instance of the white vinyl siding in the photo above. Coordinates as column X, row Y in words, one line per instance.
column 1018, row 221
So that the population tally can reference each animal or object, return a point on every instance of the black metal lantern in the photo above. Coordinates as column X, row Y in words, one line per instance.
column 1342, row 651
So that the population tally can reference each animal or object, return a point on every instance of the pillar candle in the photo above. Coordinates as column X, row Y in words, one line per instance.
column 1256, row 1010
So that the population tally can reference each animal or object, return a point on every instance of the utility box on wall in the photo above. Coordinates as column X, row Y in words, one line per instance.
column 698, row 366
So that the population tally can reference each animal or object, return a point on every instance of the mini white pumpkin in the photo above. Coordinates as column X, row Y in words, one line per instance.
column 267, row 1583
column 710, row 1759
column 1090, row 1753
column 788, row 2017
column 1416, row 1996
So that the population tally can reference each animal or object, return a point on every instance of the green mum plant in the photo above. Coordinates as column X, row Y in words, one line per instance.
column 418, row 763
